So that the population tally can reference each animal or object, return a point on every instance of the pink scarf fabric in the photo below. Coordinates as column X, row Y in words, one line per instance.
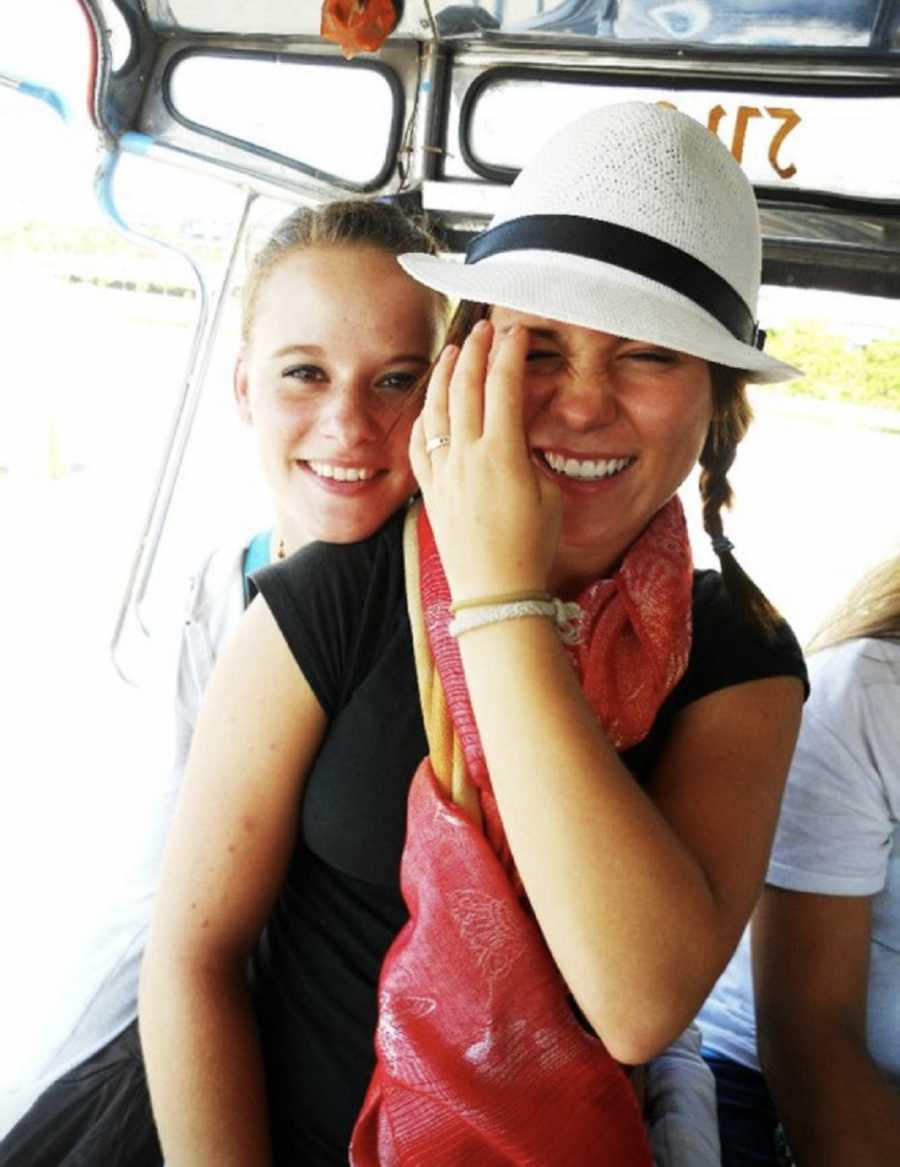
column 479, row 1057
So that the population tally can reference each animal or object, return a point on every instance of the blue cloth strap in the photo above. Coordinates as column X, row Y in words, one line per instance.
column 257, row 554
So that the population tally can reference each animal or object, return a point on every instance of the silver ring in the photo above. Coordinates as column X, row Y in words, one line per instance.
column 437, row 443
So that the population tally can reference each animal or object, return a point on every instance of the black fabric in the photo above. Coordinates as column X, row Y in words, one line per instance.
column 98, row 1115
column 342, row 610
column 625, row 248
column 748, row 1121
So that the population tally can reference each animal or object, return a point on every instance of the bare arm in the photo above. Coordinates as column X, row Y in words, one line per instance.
column 641, row 897
column 229, row 848
column 811, row 972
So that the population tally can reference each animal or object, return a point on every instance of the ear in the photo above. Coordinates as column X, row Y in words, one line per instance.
column 241, row 383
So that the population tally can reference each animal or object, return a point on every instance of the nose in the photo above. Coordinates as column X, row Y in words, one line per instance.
column 350, row 418
column 584, row 398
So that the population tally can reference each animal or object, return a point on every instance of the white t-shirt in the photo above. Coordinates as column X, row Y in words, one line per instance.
column 838, row 834
column 102, row 983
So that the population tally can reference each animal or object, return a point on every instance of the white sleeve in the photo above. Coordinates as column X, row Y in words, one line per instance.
column 195, row 661
column 214, row 606
column 835, row 832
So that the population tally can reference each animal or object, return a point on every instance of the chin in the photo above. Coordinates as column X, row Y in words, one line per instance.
column 351, row 530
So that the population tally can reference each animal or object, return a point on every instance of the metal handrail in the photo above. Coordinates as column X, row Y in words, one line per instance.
column 208, row 316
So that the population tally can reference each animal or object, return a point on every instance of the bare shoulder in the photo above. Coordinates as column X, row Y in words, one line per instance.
column 256, row 665
column 720, row 778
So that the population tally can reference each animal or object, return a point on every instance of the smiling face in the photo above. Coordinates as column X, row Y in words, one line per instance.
column 617, row 424
column 339, row 337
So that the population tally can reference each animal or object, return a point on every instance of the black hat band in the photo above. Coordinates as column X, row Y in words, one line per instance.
column 628, row 249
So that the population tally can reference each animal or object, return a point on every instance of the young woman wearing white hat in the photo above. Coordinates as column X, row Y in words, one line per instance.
column 582, row 741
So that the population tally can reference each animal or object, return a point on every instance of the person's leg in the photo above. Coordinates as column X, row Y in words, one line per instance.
column 747, row 1117
column 98, row 1115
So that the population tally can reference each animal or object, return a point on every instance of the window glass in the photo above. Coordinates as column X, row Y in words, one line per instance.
column 817, row 474
column 327, row 115
column 96, row 338
column 119, row 36
column 732, row 23
column 811, row 143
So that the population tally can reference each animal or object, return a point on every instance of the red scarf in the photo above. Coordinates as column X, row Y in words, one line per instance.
column 479, row 1057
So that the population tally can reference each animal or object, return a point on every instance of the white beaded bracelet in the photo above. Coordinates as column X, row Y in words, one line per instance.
column 566, row 616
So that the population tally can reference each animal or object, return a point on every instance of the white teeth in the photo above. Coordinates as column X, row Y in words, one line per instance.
column 341, row 473
column 586, row 469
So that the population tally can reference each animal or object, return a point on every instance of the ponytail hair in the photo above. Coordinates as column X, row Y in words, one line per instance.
column 731, row 420
column 357, row 223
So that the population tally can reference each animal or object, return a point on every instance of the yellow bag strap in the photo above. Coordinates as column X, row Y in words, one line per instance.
column 445, row 750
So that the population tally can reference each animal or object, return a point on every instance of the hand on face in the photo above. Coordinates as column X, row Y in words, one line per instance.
column 496, row 519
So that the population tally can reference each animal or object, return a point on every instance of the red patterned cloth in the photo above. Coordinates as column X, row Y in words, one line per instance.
column 479, row 1057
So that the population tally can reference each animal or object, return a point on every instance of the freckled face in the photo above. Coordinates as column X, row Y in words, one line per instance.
column 339, row 338
column 617, row 424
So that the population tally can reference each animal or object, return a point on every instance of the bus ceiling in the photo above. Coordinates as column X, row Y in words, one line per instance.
column 806, row 94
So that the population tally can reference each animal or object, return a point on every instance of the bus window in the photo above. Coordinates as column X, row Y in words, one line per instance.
column 97, row 330
column 333, row 118
column 770, row 23
column 788, row 141
column 793, row 480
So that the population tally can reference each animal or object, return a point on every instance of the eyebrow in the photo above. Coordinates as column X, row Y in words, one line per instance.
column 410, row 358
column 315, row 350
column 542, row 333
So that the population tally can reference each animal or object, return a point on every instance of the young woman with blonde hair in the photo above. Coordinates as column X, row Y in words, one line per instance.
column 335, row 339
column 826, row 1029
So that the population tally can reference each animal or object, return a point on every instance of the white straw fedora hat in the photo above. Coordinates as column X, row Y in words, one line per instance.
column 633, row 220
